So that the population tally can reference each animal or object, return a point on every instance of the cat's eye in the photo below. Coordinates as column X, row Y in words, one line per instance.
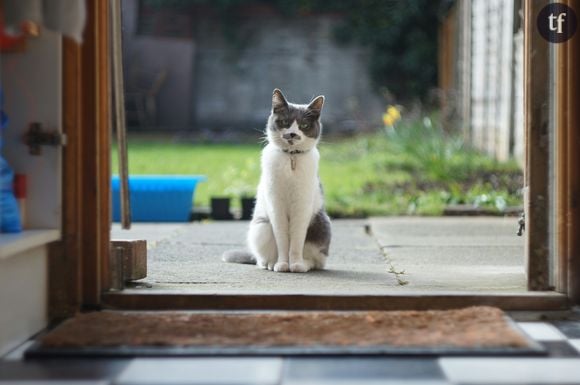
column 283, row 122
column 304, row 126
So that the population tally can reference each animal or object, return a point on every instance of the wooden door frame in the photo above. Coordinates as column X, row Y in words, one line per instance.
column 537, row 149
column 83, row 255
column 565, row 143
column 567, row 165
column 79, row 263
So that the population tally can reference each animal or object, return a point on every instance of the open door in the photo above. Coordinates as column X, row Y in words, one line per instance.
column 87, row 190
column 567, row 165
column 82, row 256
column 537, row 86
column 552, row 90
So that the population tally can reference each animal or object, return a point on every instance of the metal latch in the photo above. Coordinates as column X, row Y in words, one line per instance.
column 521, row 225
column 37, row 137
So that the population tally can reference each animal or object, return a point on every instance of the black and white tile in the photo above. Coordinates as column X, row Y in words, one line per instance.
column 66, row 372
column 186, row 371
column 352, row 370
column 491, row 370
column 561, row 365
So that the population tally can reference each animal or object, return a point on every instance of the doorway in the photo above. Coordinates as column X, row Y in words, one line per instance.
column 395, row 269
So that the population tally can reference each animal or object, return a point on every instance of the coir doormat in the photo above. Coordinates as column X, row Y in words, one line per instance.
column 473, row 330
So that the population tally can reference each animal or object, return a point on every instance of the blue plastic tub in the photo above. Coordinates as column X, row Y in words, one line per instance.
column 158, row 198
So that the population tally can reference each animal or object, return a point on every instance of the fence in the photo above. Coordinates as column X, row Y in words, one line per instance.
column 485, row 77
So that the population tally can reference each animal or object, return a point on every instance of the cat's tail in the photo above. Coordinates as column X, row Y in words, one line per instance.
column 238, row 256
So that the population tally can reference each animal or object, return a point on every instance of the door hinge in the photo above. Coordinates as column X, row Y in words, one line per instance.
column 37, row 137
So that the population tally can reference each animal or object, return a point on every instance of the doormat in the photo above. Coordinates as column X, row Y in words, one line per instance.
column 473, row 330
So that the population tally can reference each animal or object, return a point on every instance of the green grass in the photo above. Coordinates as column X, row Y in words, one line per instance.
column 415, row 169
column 231, row 170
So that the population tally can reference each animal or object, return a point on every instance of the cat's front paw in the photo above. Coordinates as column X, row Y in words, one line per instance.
column 281, row 267
column 266, row 265
column 271, row 266
column 299, row 267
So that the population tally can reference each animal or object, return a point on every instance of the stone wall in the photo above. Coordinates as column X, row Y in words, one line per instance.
column 232, row 75
column 149, row 55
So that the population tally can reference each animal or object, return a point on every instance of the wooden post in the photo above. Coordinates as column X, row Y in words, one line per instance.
column 567, row 165
column 133, row 255
column 536, row 174
column 96, row 173
column 573, row 162
column 64, row 296
column 78, row 265
column 118, row 97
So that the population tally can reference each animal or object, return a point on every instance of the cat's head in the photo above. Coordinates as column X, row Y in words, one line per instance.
column 294, row 127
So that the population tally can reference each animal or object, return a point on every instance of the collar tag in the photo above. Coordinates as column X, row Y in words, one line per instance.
column 293, row 154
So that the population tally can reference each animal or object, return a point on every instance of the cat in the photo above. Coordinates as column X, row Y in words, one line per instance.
column 289, row 230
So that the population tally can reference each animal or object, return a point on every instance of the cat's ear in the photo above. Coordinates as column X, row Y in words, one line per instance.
column 316, row 104
column 279, row 102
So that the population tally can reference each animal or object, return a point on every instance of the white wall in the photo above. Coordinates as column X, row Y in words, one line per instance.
column 154, row 54
column 23, row 297
column 518, row 150
column 32, row 82
column 496, row 93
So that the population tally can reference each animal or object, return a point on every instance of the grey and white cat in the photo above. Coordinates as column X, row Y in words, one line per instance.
column 290, row 230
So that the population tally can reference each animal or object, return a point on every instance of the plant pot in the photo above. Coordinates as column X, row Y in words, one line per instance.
column 248, row 204
column 220, row 209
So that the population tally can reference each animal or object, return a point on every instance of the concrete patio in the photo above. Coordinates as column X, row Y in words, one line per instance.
column 374, row 256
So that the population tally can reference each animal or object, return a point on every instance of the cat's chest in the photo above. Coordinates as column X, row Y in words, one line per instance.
column 291, row 169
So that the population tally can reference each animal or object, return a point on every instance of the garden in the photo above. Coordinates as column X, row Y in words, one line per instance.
column 411, row 166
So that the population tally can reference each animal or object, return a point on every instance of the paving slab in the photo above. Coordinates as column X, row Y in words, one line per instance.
column 189, row 259
column 464, row 278
column 375, row 256
column 453, row 253
column 446, row 231
column 456, row 255
column 152, row 232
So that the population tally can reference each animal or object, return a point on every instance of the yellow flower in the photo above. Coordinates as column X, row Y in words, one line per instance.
column 391, row 116
column 394, row 113
column 388, row 119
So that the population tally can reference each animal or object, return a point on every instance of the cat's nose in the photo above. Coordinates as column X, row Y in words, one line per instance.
column 291, row 135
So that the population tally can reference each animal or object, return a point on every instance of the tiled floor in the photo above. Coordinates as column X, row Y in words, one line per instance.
column 561, row 366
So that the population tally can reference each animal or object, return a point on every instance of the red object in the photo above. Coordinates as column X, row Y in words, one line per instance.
column 20, row 186
column 10, row 42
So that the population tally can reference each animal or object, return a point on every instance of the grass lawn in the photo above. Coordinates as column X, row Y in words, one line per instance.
column 415, row 169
